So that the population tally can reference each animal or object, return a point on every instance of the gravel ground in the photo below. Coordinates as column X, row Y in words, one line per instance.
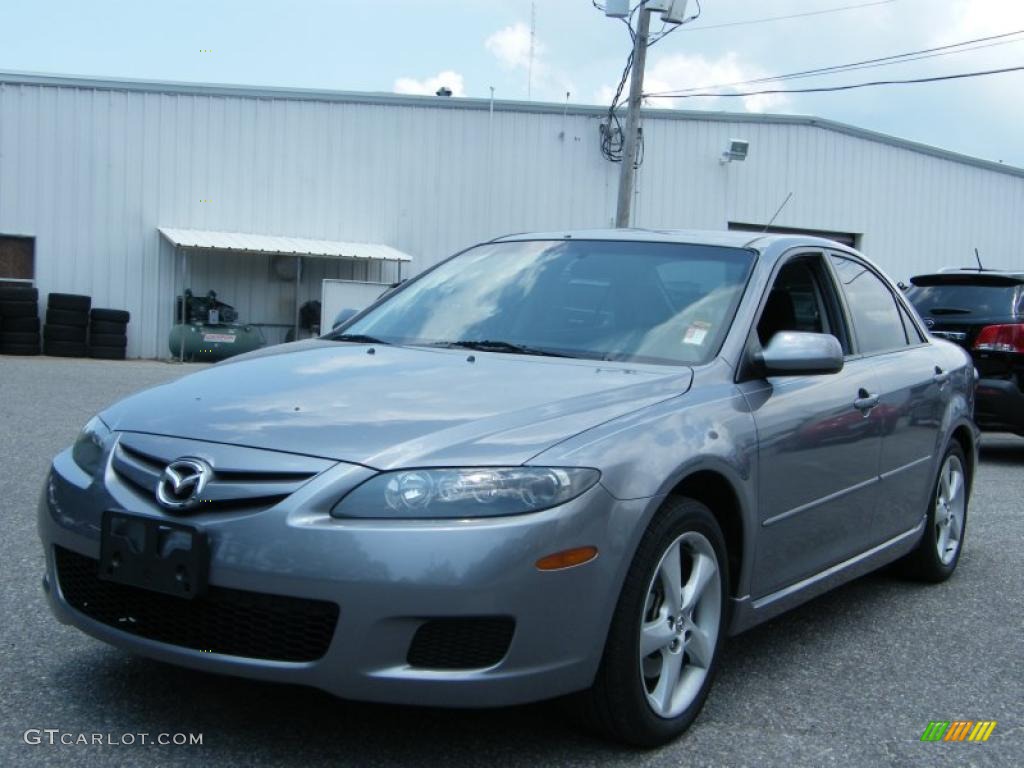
column 851, row 678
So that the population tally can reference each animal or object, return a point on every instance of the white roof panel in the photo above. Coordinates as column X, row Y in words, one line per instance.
column 277, row 244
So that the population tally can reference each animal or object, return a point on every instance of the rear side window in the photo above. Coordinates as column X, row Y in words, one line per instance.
column 913, row 334
column 876, row 318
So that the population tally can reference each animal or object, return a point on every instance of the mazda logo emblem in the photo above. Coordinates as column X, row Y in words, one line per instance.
column 182, row 483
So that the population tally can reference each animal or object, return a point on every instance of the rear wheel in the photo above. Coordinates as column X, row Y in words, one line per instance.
column 662, row 649
column 938, row 553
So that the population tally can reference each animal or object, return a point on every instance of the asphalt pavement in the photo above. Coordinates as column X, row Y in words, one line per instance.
column 852, row 678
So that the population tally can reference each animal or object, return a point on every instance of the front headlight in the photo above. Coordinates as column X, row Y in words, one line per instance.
column 464, row 493
column 90, row 445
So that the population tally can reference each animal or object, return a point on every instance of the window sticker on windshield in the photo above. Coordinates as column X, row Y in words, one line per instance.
column 696, row 333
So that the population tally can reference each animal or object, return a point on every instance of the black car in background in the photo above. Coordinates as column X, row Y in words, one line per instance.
column 982, row 311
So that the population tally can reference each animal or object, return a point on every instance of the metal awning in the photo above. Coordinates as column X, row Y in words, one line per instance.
column 243, row 242
column 185, row 240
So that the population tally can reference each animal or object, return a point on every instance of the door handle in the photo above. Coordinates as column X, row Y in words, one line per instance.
column 940, row 377
column 865, row 401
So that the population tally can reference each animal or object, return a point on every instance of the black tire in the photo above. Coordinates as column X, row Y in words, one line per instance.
column 19, row 294
column 70, row 301
column 21, row 324
column 53, row 332
column 110, row 315
column 107, row 326
column 107, row 340
column 616, row 706
column 19, row 338
column 107, row 353
column 65, row 349
column 19, row 309
column 19, row 349
column 67, row 317
column 924, row 563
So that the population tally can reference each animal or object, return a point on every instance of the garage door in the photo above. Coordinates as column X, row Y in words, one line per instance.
column 846, row 238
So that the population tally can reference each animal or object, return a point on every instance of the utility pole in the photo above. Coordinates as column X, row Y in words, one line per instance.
column 630, row 143
column 533, row 40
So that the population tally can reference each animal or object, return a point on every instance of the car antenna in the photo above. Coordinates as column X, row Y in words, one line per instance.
column 784, row 203
column 977, row 257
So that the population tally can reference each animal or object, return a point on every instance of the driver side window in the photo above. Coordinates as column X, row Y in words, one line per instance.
column 801, row 299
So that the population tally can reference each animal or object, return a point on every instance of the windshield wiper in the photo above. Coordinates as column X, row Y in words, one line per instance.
column 488, row 345
column 948, row 311
column 359, row 338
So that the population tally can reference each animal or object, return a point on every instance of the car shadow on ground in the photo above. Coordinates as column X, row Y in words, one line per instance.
column 285, row 724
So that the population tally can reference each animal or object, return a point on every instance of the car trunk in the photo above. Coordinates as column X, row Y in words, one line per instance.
column 957, row 307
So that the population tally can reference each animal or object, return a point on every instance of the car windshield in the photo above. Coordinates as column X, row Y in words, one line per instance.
column 963, row 297
column 664, row 303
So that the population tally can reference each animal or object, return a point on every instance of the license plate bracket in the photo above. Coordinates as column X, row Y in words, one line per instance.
column 156, row 554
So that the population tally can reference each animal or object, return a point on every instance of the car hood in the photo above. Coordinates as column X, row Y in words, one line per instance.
column 388, row 407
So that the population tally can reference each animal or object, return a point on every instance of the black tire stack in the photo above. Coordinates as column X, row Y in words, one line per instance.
column 67, row 323
column 19, row 321
column 108, row 333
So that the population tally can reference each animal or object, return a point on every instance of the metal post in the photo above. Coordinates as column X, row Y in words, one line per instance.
column 636, row 83
column 298, row 283
column 184, row 279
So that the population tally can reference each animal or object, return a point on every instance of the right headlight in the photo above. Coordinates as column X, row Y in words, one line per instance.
column 90, row 446
column 465, row 492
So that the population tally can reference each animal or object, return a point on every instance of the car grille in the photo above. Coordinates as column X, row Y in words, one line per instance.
column 246, row 479
column 228, row 621
column 461, row 643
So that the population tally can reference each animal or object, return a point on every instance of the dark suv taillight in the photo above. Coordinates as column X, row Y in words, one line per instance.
column 1001, row 338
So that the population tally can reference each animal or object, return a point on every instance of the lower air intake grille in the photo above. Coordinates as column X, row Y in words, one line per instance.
column 461, row 643
column 228, row 621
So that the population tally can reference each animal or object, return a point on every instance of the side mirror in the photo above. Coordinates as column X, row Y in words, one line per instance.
column 342, row 316
column 794, row 353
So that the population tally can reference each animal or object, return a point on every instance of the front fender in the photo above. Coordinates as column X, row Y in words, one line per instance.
column 648, row 453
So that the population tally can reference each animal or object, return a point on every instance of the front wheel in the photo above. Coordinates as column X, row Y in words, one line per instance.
column 938, row 553
column 663, row 644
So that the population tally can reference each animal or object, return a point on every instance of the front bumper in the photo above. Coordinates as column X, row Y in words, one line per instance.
column 387, row 578
column 999, row 406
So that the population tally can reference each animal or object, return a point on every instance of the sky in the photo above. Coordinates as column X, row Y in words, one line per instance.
column 471, row 46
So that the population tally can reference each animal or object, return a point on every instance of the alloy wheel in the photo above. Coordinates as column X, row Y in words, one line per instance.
column 950, row 507
column 680, row 624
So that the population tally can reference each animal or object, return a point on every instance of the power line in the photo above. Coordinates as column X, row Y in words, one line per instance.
column 899, row 58
column 612, row 142
column 821, row 12
column 848, row 87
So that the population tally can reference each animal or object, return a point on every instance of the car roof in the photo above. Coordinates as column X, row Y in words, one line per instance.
column 728, row 239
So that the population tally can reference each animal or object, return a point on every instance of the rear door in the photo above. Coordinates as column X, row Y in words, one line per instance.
column 913, row 391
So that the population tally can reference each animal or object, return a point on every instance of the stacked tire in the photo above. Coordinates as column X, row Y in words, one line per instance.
column 19, row 321
column 67, row 324
column 108, row 333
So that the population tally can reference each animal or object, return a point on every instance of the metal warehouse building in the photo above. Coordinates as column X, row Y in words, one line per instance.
column 95, row 174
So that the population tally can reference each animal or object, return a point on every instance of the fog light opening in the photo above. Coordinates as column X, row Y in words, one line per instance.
column 567, row 558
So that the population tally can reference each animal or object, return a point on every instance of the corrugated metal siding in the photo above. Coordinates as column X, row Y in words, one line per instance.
column 91, row 173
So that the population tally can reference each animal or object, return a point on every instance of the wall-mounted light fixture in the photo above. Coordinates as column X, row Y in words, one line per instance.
column 738, row 150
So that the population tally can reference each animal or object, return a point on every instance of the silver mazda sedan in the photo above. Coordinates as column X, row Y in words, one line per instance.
column 560, row 463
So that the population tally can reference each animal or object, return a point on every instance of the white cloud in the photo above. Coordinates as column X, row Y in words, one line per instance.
column 681, row 71
column 511, row 46
column 430, row 85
